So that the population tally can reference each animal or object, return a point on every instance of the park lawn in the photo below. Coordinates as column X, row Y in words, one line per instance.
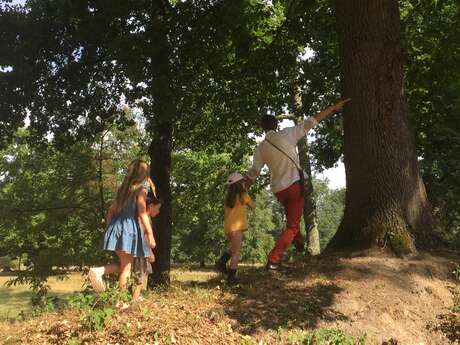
column 15, row 299
column 342, row 300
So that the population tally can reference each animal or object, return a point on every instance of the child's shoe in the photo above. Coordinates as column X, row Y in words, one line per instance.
column 221, row 264
column 95, row 278
column 231, row 277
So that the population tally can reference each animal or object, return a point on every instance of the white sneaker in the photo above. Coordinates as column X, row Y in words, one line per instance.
column 95, row 278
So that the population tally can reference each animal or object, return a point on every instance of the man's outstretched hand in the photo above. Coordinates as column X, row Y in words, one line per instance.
column 339, row 105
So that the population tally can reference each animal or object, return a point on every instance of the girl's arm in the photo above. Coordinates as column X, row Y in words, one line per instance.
column 251, row 204
column 144, row 217
column 248, row 201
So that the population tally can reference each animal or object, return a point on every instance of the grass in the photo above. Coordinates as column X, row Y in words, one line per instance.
column 15, row 299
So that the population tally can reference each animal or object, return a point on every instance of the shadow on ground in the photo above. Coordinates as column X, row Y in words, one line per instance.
column 273, row 300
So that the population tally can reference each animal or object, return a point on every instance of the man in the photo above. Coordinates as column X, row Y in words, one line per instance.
column 279, row 152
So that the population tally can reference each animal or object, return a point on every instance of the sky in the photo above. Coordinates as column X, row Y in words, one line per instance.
column 335, row 176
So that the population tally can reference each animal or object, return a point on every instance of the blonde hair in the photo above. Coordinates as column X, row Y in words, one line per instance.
column 138, row 172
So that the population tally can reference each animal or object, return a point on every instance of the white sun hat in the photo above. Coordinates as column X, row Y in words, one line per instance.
column 233, row 178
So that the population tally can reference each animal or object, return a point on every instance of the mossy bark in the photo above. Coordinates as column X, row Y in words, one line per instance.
column 386, row 204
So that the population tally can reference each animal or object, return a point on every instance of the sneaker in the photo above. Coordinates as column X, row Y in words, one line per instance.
column 221, row 267
column 231, row 278
column 271, row 266
column 233, row 281
column 122, row 306
column 299, row 249
column 95, row 278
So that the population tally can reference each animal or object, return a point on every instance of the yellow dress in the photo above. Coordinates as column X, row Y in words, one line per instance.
column 235, row 218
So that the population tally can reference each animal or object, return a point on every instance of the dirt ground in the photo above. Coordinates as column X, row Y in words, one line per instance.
column 391, row 300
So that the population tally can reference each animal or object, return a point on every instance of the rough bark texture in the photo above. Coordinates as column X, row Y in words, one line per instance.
column 309, row 208
column 386, row 203
column 160, row 156
column 160, row 124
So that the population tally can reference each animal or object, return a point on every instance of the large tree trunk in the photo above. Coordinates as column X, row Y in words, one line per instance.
column 161, row 126
column 386, row 203
column 160, row 156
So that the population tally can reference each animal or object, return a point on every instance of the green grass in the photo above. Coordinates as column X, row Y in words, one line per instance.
column 15, row 299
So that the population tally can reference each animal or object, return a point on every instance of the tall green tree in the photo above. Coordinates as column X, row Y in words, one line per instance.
column 190, row 66
column 432, row 40
column 53, row 202
column 386, row 202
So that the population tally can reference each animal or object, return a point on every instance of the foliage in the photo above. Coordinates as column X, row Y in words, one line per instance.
column 54, row 201
column 259, row 239
column 432, row 37
column 96, row 310
column 199, row 190
column 330, row 337
column 456, row 273
column 329, row 206
column 7, row 263
column 49, row 207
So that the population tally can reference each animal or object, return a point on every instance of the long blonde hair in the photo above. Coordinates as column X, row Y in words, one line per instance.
column 138, row 172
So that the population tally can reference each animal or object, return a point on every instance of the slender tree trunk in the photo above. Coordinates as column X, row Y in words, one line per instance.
column 101, row 178
column 386, row 203
column 309, row 208
column 164, row 111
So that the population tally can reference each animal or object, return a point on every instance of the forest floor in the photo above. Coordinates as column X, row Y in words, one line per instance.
column 373, row 300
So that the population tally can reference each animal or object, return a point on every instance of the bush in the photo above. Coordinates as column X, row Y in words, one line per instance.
column 97, row 310
column 6, row 262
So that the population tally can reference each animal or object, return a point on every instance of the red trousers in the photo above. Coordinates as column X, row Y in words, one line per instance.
column 292, row 200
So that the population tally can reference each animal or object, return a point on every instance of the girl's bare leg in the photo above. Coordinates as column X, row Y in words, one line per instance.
column 235, row 246
column 126, row 261
column 137, row 291
column 112, row 268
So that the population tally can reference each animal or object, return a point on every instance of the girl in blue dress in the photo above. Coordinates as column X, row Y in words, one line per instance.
column 123, row 234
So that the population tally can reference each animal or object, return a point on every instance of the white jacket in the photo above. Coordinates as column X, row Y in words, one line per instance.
column 283, row 172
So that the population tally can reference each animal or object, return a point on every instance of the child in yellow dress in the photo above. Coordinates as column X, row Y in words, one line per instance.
column 235, row 223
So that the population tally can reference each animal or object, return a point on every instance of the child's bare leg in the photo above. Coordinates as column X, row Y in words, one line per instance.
column 126, row 261
column 235, row 245
column 112, row 268
column 137, row 291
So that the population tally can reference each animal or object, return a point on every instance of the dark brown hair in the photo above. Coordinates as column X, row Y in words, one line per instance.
column 268, row 123
column 235, row 190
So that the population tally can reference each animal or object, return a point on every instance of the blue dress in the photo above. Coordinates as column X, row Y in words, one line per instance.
column 124, row 232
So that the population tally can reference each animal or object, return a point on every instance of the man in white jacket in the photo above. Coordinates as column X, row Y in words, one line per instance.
column 279, row 152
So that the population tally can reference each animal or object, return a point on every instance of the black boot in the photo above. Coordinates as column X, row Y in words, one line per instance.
column 231, row 277
column 221, row 264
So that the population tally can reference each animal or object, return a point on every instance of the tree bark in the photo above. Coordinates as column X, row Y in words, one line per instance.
column 160, row 157
column 386, row 203
column 309, row 207
column 160, row 124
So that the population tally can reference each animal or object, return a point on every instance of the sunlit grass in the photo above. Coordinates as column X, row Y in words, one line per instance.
column 15, row 299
